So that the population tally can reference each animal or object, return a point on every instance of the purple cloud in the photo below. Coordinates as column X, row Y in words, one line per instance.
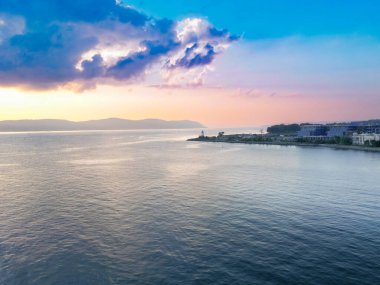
column 48, row 43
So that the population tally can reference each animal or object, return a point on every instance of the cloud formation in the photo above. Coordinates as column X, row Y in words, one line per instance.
column 48, row 43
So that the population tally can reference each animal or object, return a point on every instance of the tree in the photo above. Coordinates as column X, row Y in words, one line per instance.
column 284, row 129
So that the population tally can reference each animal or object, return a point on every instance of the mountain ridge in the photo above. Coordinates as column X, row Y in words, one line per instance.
column 101, row 124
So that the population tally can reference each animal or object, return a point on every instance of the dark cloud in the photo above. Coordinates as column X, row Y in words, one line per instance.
column 94, row 67
column 139, row 61
column 196, row 56
column 46, row 43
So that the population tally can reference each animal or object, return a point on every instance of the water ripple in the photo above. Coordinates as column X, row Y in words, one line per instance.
column 151, row 208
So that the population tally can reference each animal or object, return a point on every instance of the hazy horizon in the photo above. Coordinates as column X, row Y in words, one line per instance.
column 195, row 121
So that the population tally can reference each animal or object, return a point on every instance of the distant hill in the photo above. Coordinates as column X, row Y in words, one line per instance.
column 105, row 124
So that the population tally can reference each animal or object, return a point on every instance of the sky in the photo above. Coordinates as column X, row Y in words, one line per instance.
column 223, row 63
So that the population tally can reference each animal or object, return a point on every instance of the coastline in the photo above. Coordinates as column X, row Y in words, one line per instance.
column 333, row 146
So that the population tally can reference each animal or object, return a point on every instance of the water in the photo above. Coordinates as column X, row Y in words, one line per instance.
column 147, row 207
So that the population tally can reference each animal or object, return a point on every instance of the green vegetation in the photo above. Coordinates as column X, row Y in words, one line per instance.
column 334, row 140
column 284, row 129
column 256, row 139
column 372, row 143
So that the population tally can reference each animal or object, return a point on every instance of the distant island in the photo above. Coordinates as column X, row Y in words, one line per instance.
column 105, row 124
column 360, row 135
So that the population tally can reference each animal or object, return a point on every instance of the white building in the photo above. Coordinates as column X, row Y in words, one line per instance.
column 362, row 138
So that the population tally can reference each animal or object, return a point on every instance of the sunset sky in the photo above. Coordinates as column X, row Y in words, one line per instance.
column 219, row 62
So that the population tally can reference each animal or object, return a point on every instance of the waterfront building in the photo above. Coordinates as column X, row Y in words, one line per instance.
column 369, row 127
column 373, row 129
column 339, row 130
column 312, row 131
column 361, row 139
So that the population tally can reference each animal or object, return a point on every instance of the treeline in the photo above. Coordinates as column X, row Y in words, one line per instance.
column 283, row 129
column 372, row 143
column 334, row 140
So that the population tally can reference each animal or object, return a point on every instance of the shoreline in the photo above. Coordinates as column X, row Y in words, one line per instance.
column 332, row 146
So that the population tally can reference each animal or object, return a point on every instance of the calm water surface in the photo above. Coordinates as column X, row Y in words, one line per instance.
column 147, row 207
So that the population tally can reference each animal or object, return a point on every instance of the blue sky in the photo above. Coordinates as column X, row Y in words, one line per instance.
column 263, row 19
column 314, row 48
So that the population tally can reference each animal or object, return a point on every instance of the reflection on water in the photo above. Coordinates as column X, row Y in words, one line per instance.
column 96, row 161
column 147, row 207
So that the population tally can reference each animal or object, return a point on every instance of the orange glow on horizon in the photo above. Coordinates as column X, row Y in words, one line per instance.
column 210, row 106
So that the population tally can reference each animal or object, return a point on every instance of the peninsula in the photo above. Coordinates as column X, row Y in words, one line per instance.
column 362, row 135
